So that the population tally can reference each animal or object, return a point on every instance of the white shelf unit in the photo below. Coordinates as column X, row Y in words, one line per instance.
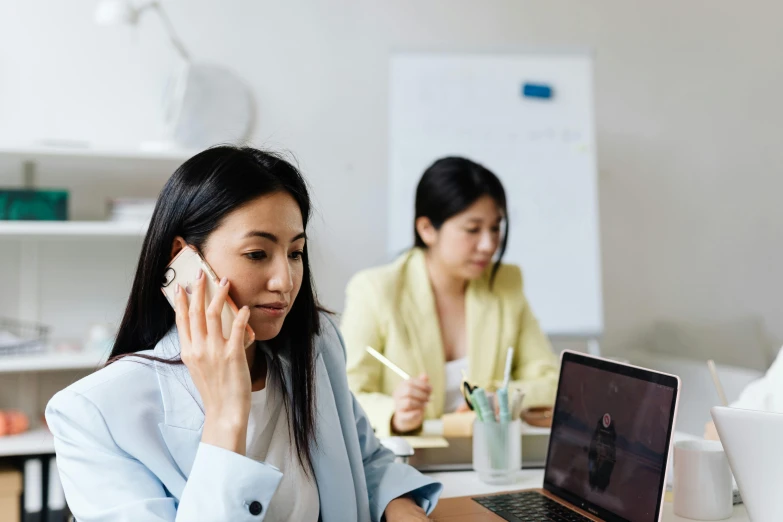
column 34, row 442
column 48, row 361
column 69, row 274
column 37, row 152
column 72, row 229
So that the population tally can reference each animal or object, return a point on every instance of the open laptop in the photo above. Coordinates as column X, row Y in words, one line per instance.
column 611, row 437
column 751, row 440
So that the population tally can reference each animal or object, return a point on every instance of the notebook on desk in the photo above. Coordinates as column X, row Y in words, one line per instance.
column 608, row 450
column 457, row 453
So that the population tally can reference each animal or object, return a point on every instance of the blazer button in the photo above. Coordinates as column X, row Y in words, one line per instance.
column 255, row 508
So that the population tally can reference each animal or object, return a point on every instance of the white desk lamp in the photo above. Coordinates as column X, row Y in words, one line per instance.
column 204, row 104
column 122, row 12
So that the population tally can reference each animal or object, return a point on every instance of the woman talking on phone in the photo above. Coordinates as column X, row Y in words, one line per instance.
column 185, row 423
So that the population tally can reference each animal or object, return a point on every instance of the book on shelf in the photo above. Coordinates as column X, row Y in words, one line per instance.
column 136, row 210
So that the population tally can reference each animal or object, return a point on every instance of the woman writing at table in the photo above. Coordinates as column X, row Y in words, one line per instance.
column 444, row 308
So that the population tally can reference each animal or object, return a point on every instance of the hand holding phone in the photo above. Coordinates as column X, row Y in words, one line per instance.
column 183, row 271
column 218, row 366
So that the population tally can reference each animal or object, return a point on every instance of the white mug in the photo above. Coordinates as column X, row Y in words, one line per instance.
column 702, row 481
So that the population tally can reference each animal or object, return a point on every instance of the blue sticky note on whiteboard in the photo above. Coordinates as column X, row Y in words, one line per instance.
column 537, row 90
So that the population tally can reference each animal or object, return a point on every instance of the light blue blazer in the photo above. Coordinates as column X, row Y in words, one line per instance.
column 128, row 443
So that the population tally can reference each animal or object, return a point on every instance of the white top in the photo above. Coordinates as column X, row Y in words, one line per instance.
column 268, row 441
column 765, row 394
column 454, row 384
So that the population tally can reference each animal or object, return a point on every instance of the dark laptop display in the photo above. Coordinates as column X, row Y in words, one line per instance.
column 610, row 436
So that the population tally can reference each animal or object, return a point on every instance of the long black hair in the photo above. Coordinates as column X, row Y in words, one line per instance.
column 192, row 204
column 451, row 185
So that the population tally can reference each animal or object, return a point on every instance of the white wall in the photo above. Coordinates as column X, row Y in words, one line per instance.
column 688, row 108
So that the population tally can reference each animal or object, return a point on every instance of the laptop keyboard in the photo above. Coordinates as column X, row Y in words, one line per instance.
column 529, row 506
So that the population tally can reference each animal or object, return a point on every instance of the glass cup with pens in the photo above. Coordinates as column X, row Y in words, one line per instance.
column 497, row 430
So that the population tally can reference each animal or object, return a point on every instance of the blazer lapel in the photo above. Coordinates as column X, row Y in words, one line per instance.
column 184, row 421
column 482, row 318
column 182, row 405
column 420, row 318
column 331, row 466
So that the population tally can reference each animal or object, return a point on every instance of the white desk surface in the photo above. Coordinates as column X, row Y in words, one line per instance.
column 465, row 483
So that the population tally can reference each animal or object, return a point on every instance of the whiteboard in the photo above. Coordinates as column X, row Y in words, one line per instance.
column 543, row 150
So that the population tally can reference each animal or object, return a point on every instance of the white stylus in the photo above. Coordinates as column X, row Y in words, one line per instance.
column 507, row 372
column 390, row 365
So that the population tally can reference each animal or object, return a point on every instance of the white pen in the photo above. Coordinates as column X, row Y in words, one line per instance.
column 516, row 402
column 507, row 372
column 386, row 362
column 717, row 383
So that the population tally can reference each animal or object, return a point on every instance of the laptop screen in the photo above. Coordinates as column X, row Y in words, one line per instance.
column 610, row 438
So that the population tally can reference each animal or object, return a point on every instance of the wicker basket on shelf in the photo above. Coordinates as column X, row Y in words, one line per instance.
column 22, row 337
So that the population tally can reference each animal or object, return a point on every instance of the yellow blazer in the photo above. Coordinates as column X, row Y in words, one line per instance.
column 392, row 309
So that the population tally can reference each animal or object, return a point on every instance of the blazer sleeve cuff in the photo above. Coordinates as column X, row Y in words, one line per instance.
column 224, row 485
column 400, row 480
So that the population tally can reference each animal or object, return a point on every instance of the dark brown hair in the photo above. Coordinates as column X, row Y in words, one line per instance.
column 192, row 204
column 451, row 185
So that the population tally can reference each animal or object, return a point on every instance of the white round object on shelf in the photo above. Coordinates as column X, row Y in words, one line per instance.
column 100, row 338
column 207, row 105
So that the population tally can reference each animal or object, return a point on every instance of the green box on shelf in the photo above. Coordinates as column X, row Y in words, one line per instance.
column 34, row 205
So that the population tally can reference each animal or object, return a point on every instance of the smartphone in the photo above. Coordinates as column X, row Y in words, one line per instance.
column 183, row 270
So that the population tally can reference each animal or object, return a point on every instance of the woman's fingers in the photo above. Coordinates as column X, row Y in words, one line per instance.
column 405, row 421
column 181, row 314
column 215, row 310
column 411, row 404
column 410, row 396
column 416, row 392
column 422, row 384
column 237, row 338
column 198, row 323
